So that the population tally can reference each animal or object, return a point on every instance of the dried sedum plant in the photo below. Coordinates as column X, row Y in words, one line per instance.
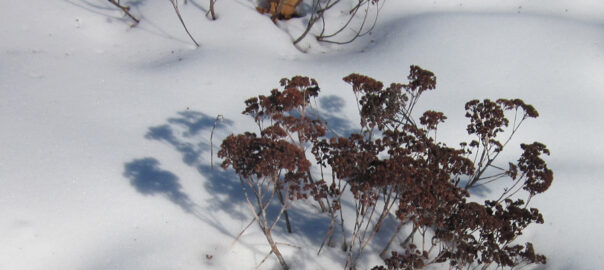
column 394, row 168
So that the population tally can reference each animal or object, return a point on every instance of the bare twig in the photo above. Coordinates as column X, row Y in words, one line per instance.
column 243, row 231
column 211, row 11
column 394, row 235
column 175, row 4
column 218, row 119
column 282, row 201
column 261, row 217
column 263, row 260
column 318, row 13
column 126, row 10
column 327, row 235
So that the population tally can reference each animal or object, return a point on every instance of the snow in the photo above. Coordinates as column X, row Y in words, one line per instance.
column 94, row 115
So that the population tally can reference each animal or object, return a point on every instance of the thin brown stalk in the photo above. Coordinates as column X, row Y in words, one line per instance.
column 126, row 10
column 264, row 259
column 212, row 12
column 243, row 231
column 175, row 4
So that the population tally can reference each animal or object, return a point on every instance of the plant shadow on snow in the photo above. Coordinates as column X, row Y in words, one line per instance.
column 105, row 8
column 182, row 133
column 478, row 190
column 148, row 179
column 189, row 134
column 147, row 24
column 331, row 111
column 104, row 5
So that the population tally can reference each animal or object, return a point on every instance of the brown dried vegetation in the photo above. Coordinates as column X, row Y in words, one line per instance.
column 394, row 168
column 280, row 9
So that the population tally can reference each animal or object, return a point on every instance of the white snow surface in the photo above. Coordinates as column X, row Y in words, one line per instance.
column 105, row 129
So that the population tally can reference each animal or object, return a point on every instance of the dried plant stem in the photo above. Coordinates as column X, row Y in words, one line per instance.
column 327, row 235
column 175, row 4
column 376, row 227
column 318, row 14
column 387, row 207
column 218, row 118
column 243, row 231
column 126, row 10
column 264, row 259
column 357, row 233
column 321, row 203
column 282, row 201
column 260, row 217
column 211, row 11
column 392, row 163
column 275, row 250
column 394, row 235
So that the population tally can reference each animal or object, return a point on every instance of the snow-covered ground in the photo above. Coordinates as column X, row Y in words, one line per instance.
column 105, row 129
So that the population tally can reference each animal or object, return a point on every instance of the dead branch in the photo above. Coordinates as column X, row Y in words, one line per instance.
column 211, row 11
column 126, row 10
column 175, row 4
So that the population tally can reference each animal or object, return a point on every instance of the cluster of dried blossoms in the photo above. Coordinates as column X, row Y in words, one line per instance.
column 394, row 168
